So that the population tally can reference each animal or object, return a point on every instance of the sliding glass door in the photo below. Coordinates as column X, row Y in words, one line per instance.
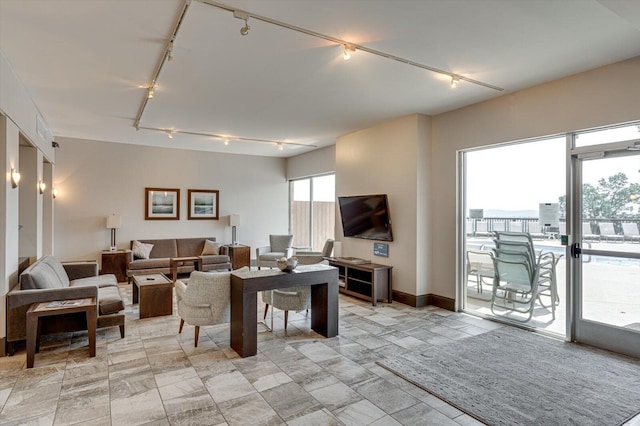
column 312, row 211
column 518, row 187
column 606, row 244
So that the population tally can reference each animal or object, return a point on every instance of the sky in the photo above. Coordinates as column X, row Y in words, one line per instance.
column 521, row 176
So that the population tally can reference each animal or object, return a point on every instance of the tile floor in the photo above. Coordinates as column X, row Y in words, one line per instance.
column 155, row 376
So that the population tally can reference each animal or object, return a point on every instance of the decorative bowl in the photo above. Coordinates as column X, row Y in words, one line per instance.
column 287, row 265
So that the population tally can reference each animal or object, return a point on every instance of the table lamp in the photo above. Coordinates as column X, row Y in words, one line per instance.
column 234, row 220
column 114, row 222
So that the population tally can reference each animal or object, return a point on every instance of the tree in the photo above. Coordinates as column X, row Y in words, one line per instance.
column 614, row 197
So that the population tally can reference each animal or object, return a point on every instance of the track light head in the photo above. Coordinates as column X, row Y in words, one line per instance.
column 226, row 141
column 280, row 146
column 454, row 81
column 348, row 51
column 55, row 144
column 170, row 134
column 245, row 30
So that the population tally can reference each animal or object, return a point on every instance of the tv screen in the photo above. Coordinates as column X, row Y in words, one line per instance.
column 366, row 216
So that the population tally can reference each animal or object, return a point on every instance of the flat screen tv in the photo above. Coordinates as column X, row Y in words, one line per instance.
column 366, row 216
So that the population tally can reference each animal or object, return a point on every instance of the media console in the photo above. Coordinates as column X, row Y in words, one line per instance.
column 368, row 281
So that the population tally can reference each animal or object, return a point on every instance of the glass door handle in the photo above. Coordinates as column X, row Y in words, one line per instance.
column 575, row 250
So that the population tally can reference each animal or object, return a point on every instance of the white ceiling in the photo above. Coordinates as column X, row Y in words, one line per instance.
column 87, row 63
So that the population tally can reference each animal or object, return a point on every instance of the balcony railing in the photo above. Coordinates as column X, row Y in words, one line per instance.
column 476, row 227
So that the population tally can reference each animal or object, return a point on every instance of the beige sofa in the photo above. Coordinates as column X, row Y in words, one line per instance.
column 164, row 249
column 48, row 280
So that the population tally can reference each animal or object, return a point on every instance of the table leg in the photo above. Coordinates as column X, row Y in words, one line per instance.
column 134, row 291
column 244, row 327
column 92, row 320
column 174, row 272
column 324, row 309
column 32, row 331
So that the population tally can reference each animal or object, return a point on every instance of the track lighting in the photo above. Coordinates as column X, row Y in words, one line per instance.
column 226, row 141
column 54, row 193
column 169, row 52
column 42, row 186
column 454, row 81
column 348, row 50
column 15, row 178
column 170, row 134
column 151, row 92
column 280, row 146
column 240, row 14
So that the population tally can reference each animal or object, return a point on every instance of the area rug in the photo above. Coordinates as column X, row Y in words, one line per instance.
column 514, row 377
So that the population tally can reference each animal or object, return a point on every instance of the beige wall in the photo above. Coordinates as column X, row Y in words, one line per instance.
column 318, row 162
column 599, row 97
column 95, row 179
column 388, row 159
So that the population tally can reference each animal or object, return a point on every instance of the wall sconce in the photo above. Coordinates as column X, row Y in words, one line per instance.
column 114, row 222
column 42, row 186
column 15, row 178
column 54, row 193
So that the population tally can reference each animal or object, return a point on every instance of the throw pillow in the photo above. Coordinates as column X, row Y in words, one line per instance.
column 141, row 250
column 210, row 247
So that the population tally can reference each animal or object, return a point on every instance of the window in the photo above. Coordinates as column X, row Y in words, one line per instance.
column 312, row 211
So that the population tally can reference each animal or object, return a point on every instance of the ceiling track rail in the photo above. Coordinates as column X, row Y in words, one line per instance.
column 350, row 45
column 163, row 59
column 223, row 137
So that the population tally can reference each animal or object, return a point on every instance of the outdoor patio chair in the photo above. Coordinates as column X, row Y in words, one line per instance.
column 608, row 233
column 480, row 266
column 587, row 234
column 630, row 231
column 515, row 285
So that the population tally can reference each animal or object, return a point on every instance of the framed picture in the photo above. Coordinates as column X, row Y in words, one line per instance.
column 161, row 204
column 203, row 204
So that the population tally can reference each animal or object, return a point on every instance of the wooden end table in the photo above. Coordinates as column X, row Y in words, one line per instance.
column 155, row 293
column 115, row 262
column 174, row 262
column 239, row 255
column 46, row 309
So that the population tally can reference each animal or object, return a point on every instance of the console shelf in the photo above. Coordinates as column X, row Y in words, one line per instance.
column 368, row 281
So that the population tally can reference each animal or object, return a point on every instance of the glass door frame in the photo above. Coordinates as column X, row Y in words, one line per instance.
column 582, row 330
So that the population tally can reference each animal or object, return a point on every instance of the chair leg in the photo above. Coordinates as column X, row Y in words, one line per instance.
column 181, row 325
column 122, row 331
column 266, row 309
column 197, row 334
column 286, row 318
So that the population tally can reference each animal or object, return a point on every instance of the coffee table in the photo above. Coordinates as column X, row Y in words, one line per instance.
column 174, row 262
column 37, row 311
column 155, row 294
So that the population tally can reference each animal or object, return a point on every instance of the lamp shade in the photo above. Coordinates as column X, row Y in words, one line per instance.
column 114, row 221
column 234, row 220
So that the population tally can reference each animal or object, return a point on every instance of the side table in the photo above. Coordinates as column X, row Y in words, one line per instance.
column 46, row 309
column 240, row 255
column 115, row 262
column 154, row 292
column 174, row 262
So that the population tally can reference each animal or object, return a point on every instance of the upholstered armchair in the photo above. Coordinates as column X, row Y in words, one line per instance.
column 279, row 246
column 290, row 299
column 205, row 299
column 311, row 257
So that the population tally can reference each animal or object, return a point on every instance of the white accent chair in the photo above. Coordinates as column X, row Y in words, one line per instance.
column 311, row 257
column 205, row 299
column 290, row 299
column 279, row 246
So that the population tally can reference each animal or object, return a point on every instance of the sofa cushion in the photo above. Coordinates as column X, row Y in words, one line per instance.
column 108, row 280
column 149, row 263
column 141, row 250
column 58, row 269
column 39, row 276
column 220, row 258
column 210, row 248
column 191, row 246
column 109, row 300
